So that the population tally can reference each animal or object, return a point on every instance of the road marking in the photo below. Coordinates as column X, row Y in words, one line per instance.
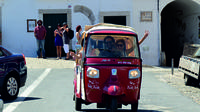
column 157, row 108
column 22, row 97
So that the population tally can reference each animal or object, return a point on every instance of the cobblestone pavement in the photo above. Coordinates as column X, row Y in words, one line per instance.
column 48, row 63
column 177, row 80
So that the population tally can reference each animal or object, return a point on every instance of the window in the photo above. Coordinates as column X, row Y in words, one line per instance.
column 146, row 16
column 112, row 46
column 1, row 53
column 120, row 20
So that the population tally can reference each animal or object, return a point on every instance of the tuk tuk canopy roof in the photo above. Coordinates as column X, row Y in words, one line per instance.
column 105, row 26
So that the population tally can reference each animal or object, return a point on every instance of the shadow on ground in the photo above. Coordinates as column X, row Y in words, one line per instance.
column 20, row 99
column 119, row 110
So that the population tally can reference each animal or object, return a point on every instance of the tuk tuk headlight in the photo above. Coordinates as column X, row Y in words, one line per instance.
column 134, row 73
column 92, row 72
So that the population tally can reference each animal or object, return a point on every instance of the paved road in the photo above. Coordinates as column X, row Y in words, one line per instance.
column 46, row 90
column 50, row 90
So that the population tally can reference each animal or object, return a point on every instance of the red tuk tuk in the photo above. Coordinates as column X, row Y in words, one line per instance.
column 110, row 72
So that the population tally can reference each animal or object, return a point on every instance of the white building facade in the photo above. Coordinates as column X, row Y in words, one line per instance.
column 140, row 14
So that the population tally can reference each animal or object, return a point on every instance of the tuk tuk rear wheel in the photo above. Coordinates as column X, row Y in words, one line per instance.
column 134, row 107
column 78, row 104
column 113, row 106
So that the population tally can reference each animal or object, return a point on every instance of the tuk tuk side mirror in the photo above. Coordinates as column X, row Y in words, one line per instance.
column 83, row 58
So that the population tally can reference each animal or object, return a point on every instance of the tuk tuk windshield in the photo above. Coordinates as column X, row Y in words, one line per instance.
column 112, row 46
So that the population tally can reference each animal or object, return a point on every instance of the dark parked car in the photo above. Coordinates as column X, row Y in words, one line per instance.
column 13, row 73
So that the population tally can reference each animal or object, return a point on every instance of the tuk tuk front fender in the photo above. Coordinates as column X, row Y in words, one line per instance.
column 113, row 90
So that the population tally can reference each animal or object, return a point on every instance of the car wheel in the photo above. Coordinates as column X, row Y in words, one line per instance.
column 10, row 88
column 77, row 104
column 187, row 79
column 134, row 107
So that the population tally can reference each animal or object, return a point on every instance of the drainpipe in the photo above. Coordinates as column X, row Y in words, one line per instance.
column 159, row 40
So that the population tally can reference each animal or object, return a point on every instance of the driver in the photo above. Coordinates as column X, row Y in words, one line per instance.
column 109, row 43
column 109, row 46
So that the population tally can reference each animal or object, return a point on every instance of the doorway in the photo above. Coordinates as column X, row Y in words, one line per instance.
column 175, row 30
column 50, row 22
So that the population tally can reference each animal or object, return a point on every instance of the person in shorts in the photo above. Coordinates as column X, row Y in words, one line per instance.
column 66, row 39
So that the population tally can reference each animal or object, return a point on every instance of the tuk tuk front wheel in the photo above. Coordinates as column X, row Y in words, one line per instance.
column 134, row 107
column 113, row 106
column 77, row 104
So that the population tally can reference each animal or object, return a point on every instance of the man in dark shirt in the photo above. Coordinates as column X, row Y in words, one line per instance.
column 40, row 34
column 66, row 39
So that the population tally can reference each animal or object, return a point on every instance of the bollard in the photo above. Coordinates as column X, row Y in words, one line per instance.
column 1, row 105
column 172, row 66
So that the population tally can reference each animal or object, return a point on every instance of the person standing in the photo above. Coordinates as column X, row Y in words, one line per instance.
column 78, row 34
column 58, row 41
column 66, row 39
column 40, row 34
column 78, row 38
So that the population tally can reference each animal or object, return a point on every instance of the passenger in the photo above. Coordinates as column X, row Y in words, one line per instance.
column 146, row 33
column 130, row 51
column 121, row 46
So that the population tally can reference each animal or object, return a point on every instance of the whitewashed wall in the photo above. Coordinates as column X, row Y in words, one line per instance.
column 15, row 16
column 150, row 52
column 150, row 48
column 17, row 39
column 14, row 26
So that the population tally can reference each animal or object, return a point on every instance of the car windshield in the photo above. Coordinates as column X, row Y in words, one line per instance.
column 112, row 46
